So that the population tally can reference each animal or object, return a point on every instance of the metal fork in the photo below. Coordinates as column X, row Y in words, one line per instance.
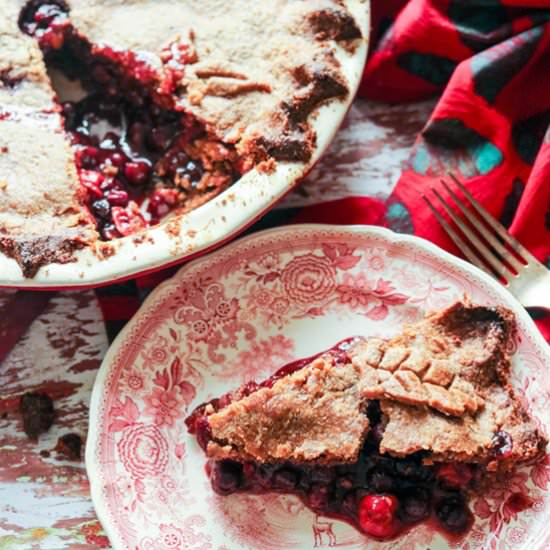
column 519, row 271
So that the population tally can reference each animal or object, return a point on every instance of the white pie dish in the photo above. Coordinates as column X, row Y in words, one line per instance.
column 211, row 224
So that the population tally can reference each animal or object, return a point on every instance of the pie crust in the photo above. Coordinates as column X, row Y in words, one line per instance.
column 437, row 398
column 252, row 87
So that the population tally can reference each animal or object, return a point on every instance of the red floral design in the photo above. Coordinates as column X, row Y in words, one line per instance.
column 243, row 309
column 501, row 504
column 130, row 492
column 262, row 297
column 263, row 357
column 186, row 538
column 309, row 279
column 143, row 450
column 212, row 318
column 168, row 483
column 376, row 263
column 516, row 535
column 133, row 379
column 165, row 406
column 358, row 291
column 159, row 355
column 269, row 261
column 172, row 394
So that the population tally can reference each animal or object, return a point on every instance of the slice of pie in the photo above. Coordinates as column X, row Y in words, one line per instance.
column 181, row 99
column 381, row 433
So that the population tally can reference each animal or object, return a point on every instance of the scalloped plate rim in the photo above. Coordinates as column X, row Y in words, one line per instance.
column 390, row 236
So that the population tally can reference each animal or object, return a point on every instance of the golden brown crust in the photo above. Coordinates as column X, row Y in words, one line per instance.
column 314, row 415
column 243, row 80
column 442, row 363
column 443, row 385
column 253, row 84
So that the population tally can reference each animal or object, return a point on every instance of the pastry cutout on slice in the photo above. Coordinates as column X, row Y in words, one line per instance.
column 399, row 429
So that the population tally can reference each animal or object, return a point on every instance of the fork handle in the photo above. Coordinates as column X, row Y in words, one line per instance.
column 533, row 291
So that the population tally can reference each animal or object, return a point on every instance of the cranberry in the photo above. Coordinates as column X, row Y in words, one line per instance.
column 108, row 231
column 264, row 475
column 285, row 479
column 160, row 137
column 47, row 14
column 318, row 496
column 248, row 388
column 223, row 401
column 136, row 135
column 226, row 477
column 415, row 505
column 117, row 197
column 110, row 183
column 380, row 481
column 191, row 170
column 128, row 220
column 88, row 157
column 453, row 514
column 349, row 504
column 137, row 172
column 116, row 159
column 102, row 209
column 101, row 74
column 47, row 23
column 203, row 431
column 410, row 470
column 344, row 482
column 52, row 39
column 110, row 141
column 377, row 515
column 91, row 180
column 135, row 98
column 322, row 475
column 157, row 207
column 455, row 475
column 503, row 444
column 173, row 160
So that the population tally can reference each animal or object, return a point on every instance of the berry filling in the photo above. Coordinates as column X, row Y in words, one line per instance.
column 139, row 158
column 381, row 495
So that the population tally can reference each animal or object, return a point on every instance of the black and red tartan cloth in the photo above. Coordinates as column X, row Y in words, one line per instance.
column 488, row 61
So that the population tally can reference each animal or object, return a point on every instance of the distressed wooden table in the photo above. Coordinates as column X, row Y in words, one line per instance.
column 44, row 500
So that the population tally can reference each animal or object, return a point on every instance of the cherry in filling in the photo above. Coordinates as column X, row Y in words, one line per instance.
column 138, row 157
column 381, row 495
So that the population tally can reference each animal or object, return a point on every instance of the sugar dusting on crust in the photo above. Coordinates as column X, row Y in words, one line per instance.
column 314, row 415
column 254, row 84
column 455, row 416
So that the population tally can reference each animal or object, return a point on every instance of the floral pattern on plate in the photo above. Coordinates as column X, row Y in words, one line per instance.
column 242, row 312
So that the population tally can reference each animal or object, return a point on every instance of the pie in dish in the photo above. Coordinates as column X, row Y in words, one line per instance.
column 182, row 99
column 381, row 433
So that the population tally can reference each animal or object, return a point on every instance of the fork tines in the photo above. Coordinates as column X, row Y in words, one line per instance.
column 482, row 239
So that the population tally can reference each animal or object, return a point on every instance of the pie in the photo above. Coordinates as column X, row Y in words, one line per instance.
column 182, row 98
column 381, row 433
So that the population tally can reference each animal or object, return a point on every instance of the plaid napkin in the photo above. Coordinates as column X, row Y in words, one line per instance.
column 488, row 60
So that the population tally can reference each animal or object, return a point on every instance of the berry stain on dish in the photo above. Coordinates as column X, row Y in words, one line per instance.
column 382, row 434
